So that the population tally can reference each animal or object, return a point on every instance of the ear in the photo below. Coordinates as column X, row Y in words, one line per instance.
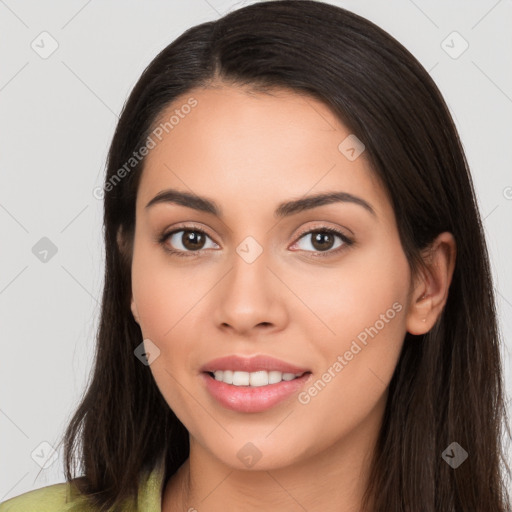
column 125, row 250
column 430, row 292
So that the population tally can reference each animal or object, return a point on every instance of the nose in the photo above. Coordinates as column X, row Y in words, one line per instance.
column 250, row 297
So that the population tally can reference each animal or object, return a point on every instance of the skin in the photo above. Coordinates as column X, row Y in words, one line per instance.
column 249, row 152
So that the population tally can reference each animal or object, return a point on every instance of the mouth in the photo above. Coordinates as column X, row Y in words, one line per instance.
column 255, row 391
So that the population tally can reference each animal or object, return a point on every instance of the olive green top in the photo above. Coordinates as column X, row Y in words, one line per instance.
column 64, row 497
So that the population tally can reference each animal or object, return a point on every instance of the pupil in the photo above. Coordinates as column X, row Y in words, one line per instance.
column 322, row 237
column 192, row 240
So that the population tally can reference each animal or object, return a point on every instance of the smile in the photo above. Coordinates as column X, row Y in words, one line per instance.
column 242, row 396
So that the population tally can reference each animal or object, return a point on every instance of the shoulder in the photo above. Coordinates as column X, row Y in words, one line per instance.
column 52, row 498
column 65, row 496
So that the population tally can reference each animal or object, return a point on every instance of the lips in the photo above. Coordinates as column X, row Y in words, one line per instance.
column 252, row 364
column 247, row 399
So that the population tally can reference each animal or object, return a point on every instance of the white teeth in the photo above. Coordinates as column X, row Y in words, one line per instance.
column 227, row 376
column 253, row 379
column 274, row 377
column 240, row 378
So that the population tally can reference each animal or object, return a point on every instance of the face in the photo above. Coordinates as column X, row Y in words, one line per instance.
column 324, row 289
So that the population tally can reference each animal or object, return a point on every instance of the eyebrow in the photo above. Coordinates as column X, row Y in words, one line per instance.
column 285, row 209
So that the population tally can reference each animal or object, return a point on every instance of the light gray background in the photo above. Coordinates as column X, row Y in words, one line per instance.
column 57, row 118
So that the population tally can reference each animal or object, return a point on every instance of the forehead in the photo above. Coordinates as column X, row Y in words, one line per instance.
column 253, row 148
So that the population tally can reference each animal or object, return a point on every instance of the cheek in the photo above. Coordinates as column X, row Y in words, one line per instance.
column 364, row 309
column 168, row 298
column 155, row 298
column 353, row 297
column 161, row 290
column 164, row 301
column 349, row 393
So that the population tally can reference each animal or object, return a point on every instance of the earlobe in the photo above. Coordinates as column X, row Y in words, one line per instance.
column 419, row 316
column 430, row 293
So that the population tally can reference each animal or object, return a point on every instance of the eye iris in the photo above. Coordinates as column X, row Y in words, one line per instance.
column 192, row 240
column 320, row 238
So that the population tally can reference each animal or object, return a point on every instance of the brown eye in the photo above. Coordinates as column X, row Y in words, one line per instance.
column 183, row 241
column 192, row 240
column 323, row 240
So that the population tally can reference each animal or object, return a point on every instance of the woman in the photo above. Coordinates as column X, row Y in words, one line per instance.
column 298, row 310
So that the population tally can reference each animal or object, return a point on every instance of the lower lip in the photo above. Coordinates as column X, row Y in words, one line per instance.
column 253, row 399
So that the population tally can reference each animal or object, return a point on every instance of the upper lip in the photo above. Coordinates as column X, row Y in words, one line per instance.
column 251, row 364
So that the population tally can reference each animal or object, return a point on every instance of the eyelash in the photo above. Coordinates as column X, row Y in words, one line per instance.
column 347, row 242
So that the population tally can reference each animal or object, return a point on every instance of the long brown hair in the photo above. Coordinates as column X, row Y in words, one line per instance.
column 447, row 386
